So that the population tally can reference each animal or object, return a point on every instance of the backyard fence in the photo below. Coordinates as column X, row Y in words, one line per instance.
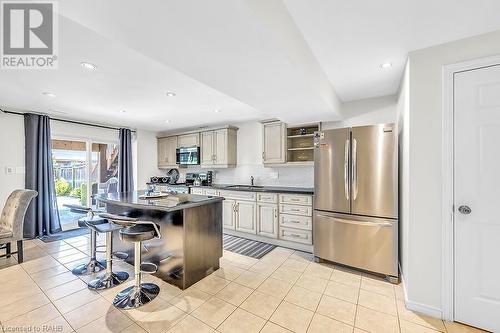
column 74, row 175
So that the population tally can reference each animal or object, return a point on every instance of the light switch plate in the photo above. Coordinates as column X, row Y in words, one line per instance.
column 10, row 170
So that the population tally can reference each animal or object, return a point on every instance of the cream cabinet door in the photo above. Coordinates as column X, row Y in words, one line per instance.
column 267, row 220
column 162, row 152
column 245, row 217
column 220, row 146
column 207, row 148
column 167, row 152
column 228, row 214
column 274, row 143
column 188, row 140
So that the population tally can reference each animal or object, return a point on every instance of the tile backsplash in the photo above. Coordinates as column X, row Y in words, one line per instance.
column 282, row 176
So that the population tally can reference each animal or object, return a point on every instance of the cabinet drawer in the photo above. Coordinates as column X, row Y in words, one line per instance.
column 296, row 199
column 296, row 210
column 238, row 195
column 210, row 192
column 267, row 197
column 295, row 221
column 296, row 235
column 196, row 191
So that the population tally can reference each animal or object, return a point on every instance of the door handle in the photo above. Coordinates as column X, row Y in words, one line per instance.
column 354, row 169
column 464, row 209
column 362, row 223
column 346, row 169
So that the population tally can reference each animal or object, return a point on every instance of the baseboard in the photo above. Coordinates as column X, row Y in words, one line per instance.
column 419, row 307
column 273, row 241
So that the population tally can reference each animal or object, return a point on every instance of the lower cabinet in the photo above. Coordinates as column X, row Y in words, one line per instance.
column 245, row 216
column 267, row 220
column 228, row 214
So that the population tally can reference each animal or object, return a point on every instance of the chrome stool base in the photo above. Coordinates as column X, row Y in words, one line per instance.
column 93, row 266
column 108, row 280
column 135, row 296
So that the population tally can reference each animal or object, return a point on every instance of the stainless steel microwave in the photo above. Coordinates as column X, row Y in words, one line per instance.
column 188, row 156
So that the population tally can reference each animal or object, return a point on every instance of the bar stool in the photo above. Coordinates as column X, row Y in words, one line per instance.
column 109, row 279
column 94, row 265
column 136, row 231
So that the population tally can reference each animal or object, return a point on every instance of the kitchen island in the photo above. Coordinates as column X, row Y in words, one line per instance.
column 191, row 242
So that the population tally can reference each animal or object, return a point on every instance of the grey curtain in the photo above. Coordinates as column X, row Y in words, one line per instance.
column 125, row 174
column 42, row 217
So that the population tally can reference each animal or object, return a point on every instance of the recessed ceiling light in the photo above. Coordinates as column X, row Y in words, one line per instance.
column 167, row 121
column 386, row 65
column 48, row 94
column 88, row 65
column 216, row 110
column 170, row 94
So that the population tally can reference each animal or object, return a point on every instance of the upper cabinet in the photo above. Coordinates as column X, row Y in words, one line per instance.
column 188, row 140
column 167, row 152
column 288, row 145
column 218, row 148
column 273, row 143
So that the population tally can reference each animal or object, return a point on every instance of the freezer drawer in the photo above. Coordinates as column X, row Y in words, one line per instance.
column 366, row 243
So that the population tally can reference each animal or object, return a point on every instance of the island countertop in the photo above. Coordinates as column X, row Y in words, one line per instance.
column 132, row 199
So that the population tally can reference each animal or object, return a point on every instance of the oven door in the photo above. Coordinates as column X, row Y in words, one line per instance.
column 188, row 156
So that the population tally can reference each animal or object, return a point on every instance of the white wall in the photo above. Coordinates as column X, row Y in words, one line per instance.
column 424, row 262
column 368, row 111
column 61, row 129
column 11, row 154
column 403, row 109
column 145, row 158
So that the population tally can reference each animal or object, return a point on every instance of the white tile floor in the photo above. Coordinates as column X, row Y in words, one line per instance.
column 283, row 292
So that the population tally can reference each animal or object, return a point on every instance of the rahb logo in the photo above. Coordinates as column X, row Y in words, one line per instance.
column 29, row 35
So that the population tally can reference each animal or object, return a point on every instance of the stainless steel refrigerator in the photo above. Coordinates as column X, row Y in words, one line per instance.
column 355, row 219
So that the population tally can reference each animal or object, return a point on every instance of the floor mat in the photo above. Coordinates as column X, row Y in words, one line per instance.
column 65, row 235
column 246, row 247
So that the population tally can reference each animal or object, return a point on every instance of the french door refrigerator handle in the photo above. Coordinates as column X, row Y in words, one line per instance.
column 354, row 169
column 346, row 169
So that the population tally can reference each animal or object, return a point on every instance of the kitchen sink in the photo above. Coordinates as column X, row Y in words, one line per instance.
column 246, row 187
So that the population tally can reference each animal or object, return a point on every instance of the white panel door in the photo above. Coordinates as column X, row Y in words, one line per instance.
column 245, row 217
column 207, row 148
column 477, row 187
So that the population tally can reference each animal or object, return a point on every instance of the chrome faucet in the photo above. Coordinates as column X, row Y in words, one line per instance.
column 251, row 180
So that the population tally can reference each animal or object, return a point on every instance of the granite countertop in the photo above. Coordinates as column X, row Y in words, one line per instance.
column 248, row 188
column 131, row 199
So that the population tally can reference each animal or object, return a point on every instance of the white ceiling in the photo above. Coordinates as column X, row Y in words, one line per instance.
column 352, row 38
column 250, row 59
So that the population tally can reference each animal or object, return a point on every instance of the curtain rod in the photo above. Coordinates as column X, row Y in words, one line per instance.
column 67, row 121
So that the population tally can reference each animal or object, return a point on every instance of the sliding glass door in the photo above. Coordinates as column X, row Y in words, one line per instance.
column 82, row 168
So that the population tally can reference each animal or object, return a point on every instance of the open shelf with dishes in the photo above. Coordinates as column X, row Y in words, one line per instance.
column 300, row 143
